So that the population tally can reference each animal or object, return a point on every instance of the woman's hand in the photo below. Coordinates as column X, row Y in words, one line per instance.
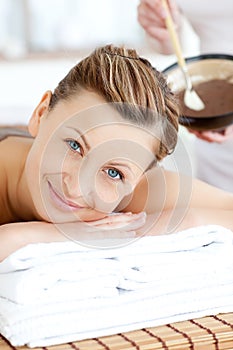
column 214, row 136
column 114, row 226
column 17, row 235
column 151, row 16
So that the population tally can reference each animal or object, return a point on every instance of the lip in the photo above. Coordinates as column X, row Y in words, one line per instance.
column 61, row 202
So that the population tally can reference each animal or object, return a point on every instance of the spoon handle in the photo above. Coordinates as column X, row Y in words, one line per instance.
column 174, row 37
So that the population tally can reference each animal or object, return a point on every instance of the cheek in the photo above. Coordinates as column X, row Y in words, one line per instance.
column 35, row 188
column 32, row 169
column 107, row 191
column 53, row 158
column 108, row 194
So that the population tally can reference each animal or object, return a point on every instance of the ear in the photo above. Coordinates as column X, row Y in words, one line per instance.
column 40, row 111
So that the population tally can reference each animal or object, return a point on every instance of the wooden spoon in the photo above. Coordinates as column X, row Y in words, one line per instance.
column 191, row 98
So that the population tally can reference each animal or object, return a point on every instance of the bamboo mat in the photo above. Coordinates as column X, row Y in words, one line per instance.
column 206, row 333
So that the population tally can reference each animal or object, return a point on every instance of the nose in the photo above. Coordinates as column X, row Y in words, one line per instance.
column 72, row 189
column 71, row 185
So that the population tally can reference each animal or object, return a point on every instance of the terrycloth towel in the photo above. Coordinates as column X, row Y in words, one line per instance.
column 55, row 281
column 153, row 281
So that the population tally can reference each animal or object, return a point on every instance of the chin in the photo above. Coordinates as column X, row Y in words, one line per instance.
column 89, row 215
column 94, row 216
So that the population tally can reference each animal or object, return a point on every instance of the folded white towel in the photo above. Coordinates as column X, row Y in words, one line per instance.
column 69, row 292
column 61, row 280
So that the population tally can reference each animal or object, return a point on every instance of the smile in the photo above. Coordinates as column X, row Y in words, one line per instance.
column 61, row 202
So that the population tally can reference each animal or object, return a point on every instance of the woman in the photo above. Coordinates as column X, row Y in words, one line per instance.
column 89, row 169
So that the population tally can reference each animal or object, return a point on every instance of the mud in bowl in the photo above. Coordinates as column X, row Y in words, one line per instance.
column 212, row 78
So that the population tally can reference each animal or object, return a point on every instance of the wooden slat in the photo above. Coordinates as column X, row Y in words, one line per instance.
column 207, row 333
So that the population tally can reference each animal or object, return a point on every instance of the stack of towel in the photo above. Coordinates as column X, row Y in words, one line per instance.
column 60, row 292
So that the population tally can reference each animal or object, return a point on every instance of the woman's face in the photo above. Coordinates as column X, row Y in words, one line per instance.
column 85, row 159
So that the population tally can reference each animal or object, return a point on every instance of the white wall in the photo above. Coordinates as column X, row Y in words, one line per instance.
column 50, row 25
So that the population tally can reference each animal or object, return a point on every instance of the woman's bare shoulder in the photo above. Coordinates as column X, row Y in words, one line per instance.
column 160, row 190
column 157, row 190
column 13, row 151
column 11, row 147
column 7, row 131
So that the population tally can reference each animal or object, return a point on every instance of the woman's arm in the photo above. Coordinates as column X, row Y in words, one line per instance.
column 17, row 235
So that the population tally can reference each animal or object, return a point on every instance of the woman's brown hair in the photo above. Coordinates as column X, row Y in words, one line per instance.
column 135, row 88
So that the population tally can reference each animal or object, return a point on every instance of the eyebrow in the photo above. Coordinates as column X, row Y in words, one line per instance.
column 81, row 136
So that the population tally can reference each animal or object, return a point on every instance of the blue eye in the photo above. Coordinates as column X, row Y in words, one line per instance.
column 114, row 174
column 74, row 145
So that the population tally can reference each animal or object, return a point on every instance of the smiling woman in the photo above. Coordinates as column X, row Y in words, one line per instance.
column 113, row 152
column 96, row 141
